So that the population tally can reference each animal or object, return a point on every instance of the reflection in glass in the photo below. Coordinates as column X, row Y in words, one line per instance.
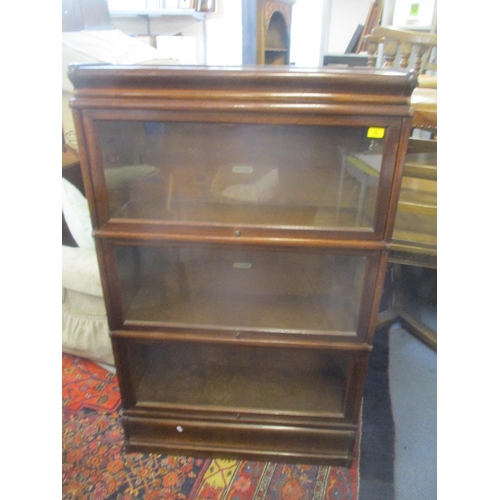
column 307, row 176
column 237, row 289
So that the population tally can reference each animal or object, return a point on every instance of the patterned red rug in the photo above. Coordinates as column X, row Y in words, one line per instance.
column 95, row 466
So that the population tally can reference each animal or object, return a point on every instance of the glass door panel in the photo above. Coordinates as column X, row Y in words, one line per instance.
column 287, row 380
column 224, row 288
column 253, row 174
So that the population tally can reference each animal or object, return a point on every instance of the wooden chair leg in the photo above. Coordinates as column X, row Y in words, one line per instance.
column 419, row 330
column 398, row 314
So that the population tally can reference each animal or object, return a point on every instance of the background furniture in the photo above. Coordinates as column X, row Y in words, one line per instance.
column 71, row 172
column 355, row 54
column 266, row 31
column 345, row 59
column 80, row 15
column 372, row 22
column 155, row 23
column 414, row 241
column 416, row 218
column 424, row 103
column 399, row 46
column 85, row 331
column 241, row 284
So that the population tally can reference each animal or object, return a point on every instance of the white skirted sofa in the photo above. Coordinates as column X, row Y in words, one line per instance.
column 85, row 331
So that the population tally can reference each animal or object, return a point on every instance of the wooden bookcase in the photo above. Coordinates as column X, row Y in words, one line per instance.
column 266, row 31
column 242, row 219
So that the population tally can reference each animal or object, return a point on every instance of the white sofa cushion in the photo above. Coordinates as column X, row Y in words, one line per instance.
column 83, row 303
column 86, row 335
column 80, row 271
column 76, row 212
column 85, row 330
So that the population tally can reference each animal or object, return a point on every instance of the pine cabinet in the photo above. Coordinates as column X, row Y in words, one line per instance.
column 242, row 218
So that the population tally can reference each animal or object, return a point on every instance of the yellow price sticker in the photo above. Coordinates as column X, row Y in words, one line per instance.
column 375, row 132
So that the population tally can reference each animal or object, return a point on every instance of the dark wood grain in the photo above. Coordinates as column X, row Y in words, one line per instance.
column 381, row 85
column 244, row 441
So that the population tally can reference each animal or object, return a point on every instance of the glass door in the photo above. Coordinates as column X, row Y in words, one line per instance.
column 282, row 176
column 224, row 288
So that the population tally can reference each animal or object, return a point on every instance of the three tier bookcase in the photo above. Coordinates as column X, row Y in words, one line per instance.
column 242, row 218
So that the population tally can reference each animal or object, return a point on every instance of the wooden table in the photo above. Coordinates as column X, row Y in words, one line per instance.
column 414, row 241
column 69, row 158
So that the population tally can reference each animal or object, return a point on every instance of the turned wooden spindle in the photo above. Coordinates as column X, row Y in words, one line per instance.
column 400, row 44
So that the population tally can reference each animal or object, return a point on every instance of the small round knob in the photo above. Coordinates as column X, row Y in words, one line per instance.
column 237, row 232
column 238, row 335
